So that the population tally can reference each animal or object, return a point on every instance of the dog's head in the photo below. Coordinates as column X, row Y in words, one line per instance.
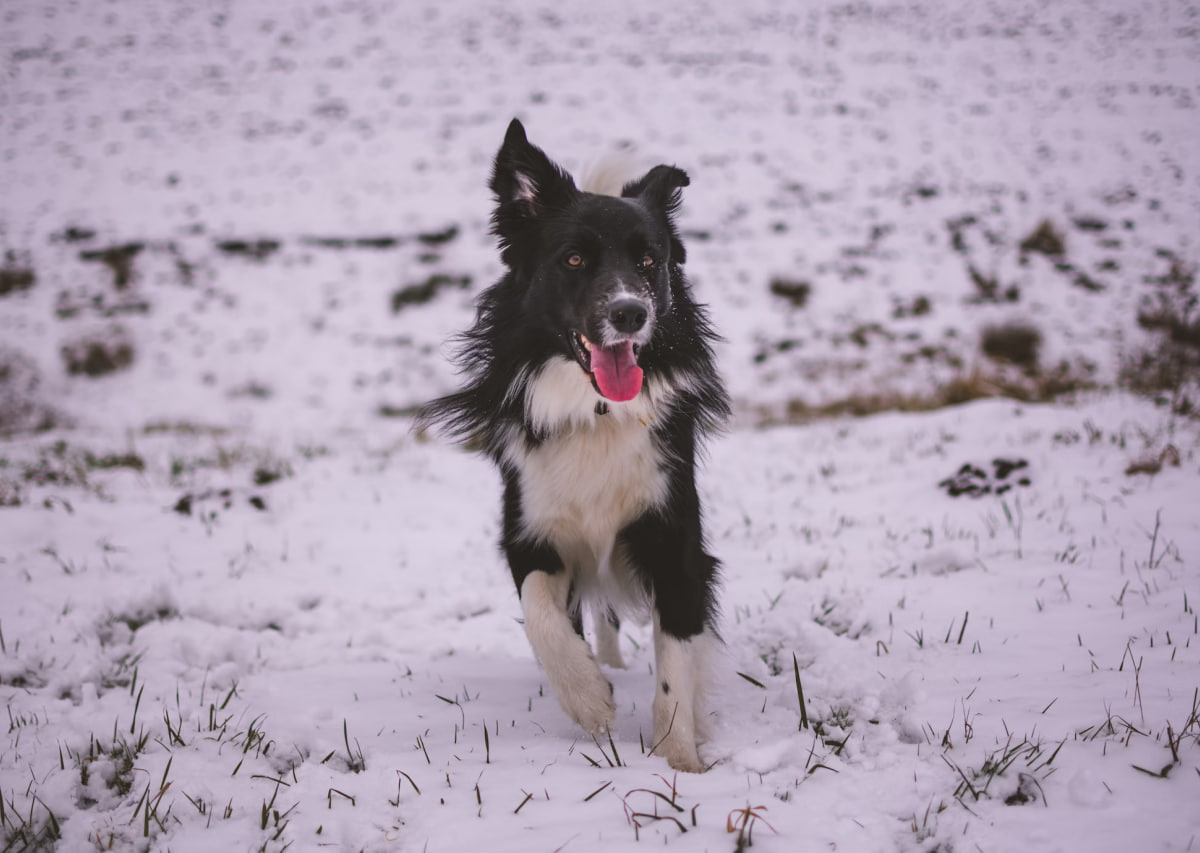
column 595, row 269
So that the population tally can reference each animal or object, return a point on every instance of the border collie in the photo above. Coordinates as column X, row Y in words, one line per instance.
column 590, row 382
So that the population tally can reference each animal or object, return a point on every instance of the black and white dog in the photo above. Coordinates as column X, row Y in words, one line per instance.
column 590, row 382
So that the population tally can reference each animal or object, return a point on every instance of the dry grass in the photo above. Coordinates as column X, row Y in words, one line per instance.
column 1031, row 387
column 1169, row 368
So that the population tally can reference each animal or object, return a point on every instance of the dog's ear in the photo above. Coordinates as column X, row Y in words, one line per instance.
column 660, row 190
column 525, row 178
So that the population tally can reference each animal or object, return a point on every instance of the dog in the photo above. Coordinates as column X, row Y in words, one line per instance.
column 590, row 382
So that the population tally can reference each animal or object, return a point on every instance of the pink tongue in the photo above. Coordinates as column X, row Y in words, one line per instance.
column 616, row 372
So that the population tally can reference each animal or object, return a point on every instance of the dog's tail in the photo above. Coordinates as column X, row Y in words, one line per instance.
column 610, row 172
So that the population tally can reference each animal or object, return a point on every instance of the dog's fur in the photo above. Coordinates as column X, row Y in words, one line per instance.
column 590, row 381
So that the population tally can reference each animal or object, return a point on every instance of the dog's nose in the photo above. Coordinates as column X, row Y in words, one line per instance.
column 627, row 315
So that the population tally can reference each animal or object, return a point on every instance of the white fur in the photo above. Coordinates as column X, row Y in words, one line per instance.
column 582, row 690
column 610, row 336
column 560, row 397
column 608, row 645
column 681, row 667
column 526, row 189
column 592, row 476
column 609, row 174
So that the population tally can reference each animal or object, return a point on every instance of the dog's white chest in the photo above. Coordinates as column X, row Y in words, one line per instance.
column 581, row 487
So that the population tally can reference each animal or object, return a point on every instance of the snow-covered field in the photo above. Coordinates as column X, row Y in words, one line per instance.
column 243, row 606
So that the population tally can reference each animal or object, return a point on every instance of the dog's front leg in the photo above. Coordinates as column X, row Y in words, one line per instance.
column 582, row 690
column 544, row 584
column 681, row 668
column 666, row 548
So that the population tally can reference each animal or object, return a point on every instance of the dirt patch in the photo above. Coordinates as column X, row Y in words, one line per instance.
column 119, row 260
column 256, row 250
column 975, row 482
column 1045, row 240
column 16, row 274
column 96, row 356
column 1014, row 343
column 425, row 291
column 796, row 293
column 438, row 238
column 380, row 242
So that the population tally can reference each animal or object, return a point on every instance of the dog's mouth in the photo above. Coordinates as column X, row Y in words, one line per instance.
column 614, row 369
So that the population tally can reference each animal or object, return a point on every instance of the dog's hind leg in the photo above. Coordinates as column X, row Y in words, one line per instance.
column 608, row 628
column 582, row 690
column 575, row 610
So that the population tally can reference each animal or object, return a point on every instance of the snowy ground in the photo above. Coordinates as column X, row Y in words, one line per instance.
column 242, row 605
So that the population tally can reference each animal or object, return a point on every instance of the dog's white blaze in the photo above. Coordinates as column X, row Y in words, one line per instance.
column 582, row 690
column 579, row 507
column 595, row 473
column 592, row 476
column 561, row 398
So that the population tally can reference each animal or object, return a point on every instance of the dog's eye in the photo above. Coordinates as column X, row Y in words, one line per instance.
column 647, row 262
column 574, row 260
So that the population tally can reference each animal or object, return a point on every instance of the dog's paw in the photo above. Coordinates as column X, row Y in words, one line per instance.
column 674, row 736
column 587, row 697
column 681, row 754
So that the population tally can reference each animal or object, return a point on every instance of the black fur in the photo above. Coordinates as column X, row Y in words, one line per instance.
column 542, row 221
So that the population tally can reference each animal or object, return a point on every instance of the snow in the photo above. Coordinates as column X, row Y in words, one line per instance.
column 243, row 605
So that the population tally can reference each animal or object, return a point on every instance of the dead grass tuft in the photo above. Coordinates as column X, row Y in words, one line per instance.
column 1029, row 387
column 1154, row 462
column 1169, row 368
